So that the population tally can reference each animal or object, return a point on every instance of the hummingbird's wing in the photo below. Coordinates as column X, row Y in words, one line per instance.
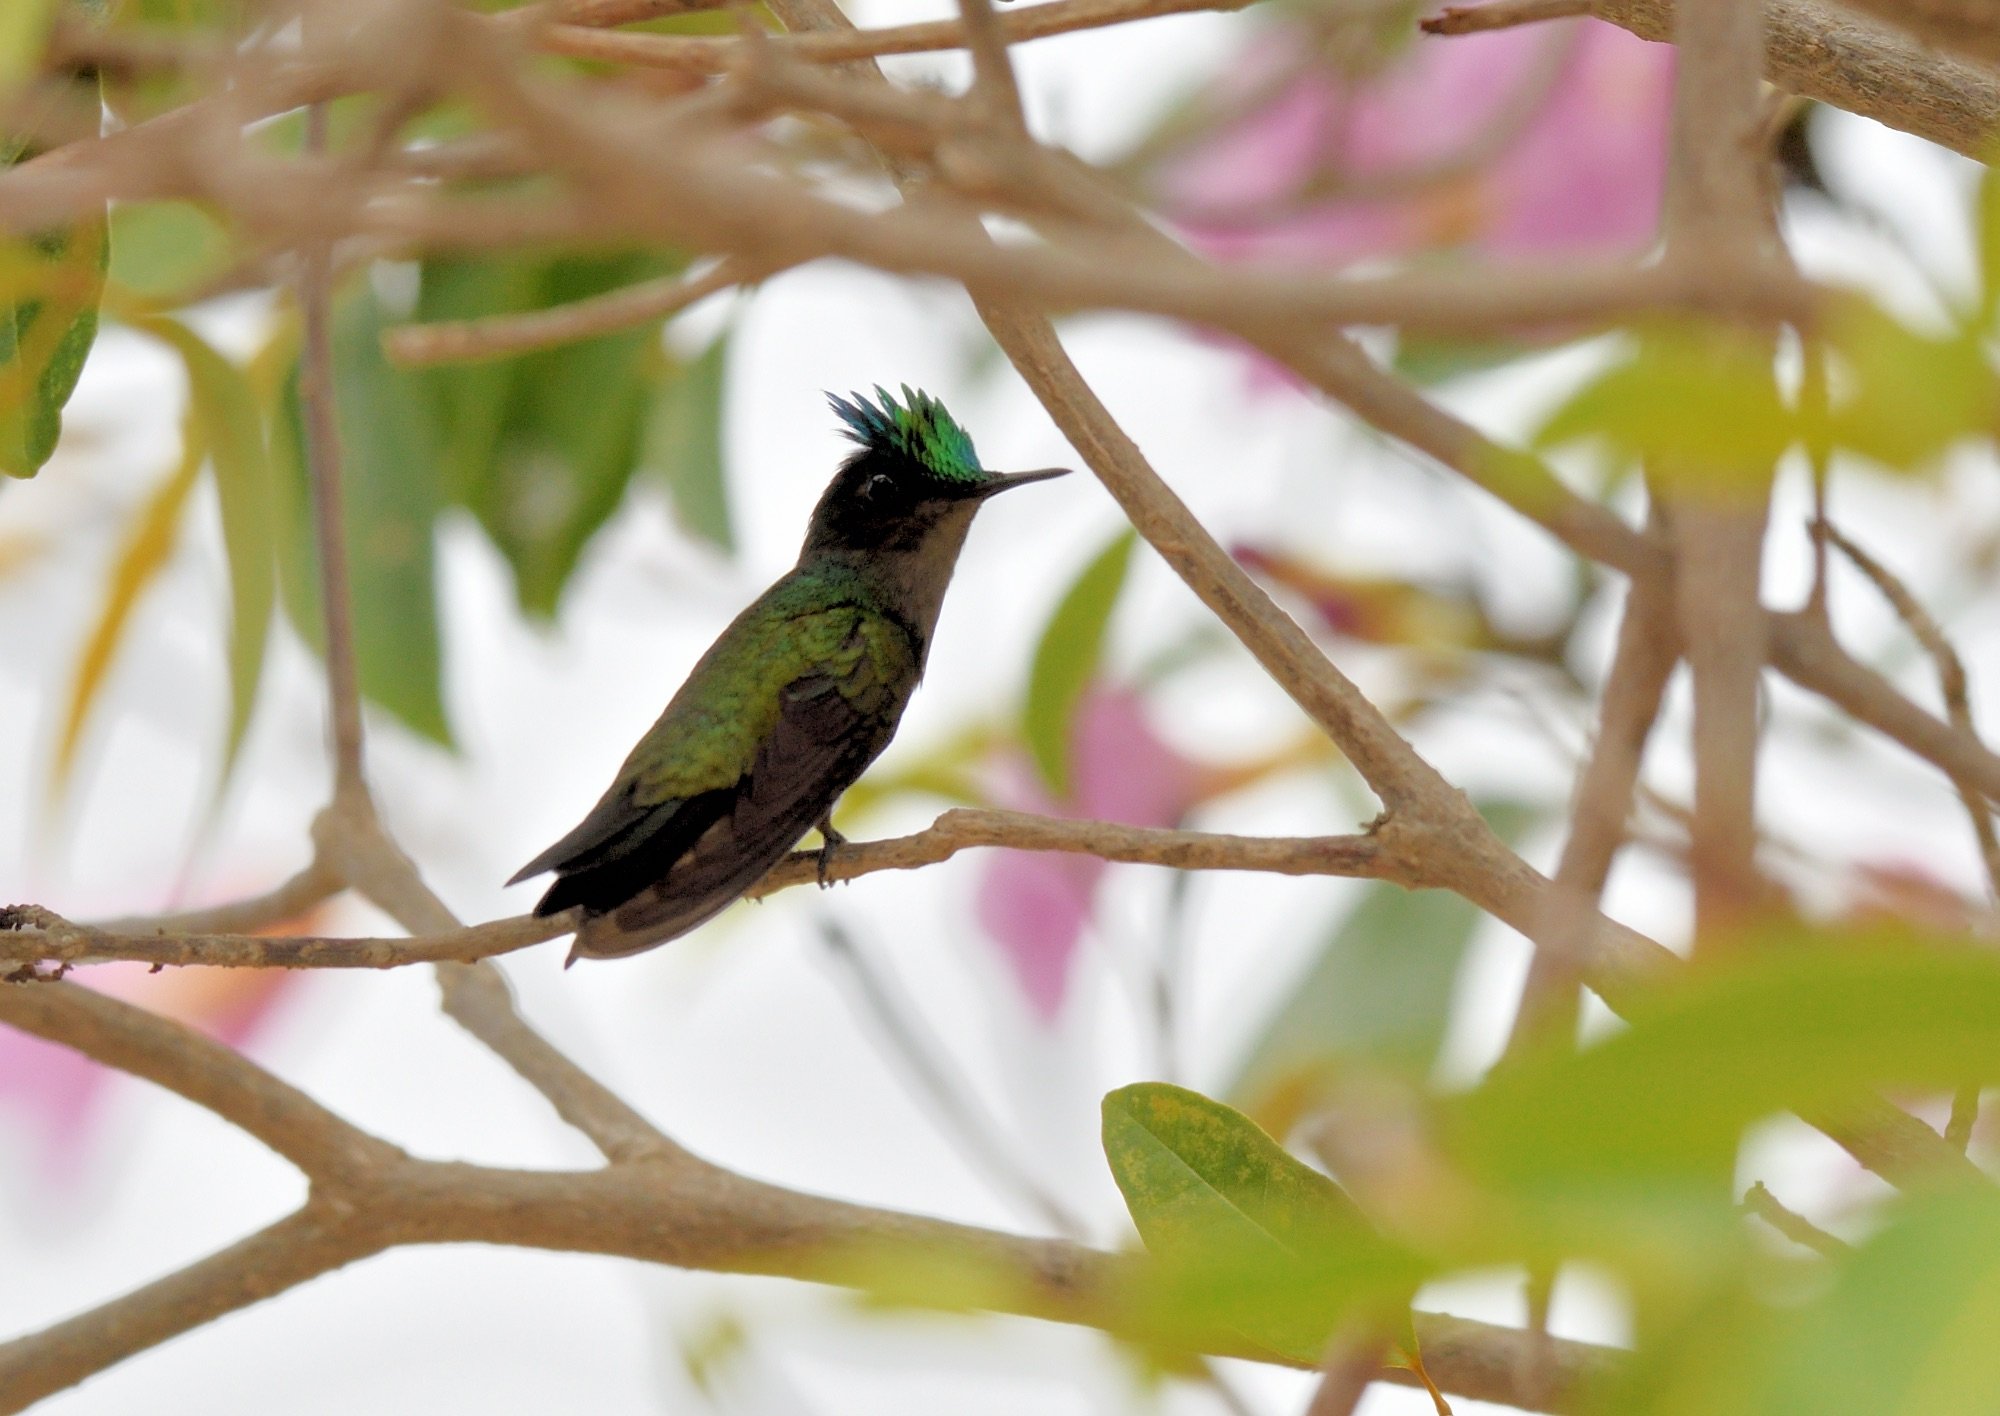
column 734, row 773
column 828, row 731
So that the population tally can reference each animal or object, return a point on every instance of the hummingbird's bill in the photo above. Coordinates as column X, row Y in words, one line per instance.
column 1001, row 481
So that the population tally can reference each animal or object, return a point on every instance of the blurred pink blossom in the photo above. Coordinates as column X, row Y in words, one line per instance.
column 1035, row 904
column 1546, row 140
column 60, row 1092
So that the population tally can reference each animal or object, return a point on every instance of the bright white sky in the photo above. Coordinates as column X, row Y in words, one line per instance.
column 743, row 1041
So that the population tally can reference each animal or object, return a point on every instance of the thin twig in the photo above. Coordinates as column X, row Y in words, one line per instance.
column 924, row 1061
column 1500, row 14
column 710, row 55
column 30, row 935
column 1794, row 1226
column 1954, row 686
column 498, row 336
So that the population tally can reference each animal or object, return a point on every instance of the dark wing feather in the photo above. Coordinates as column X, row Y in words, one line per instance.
column 622, row 847
column 828, row 731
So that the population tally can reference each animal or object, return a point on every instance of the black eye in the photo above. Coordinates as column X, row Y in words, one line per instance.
column 877, row 485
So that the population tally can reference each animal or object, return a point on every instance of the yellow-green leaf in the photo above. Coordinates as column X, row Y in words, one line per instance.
column 1247, row 1236
column 1067, row 658
column 226, row 408
column 24, row 34
column 164, row 250
column 683, row 443
column 145, row 551
column 1699, row 401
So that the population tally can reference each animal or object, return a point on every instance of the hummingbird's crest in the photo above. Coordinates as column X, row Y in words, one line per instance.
column 918, row 428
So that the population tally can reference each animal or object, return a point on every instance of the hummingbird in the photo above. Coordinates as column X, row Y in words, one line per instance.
column 789, row 706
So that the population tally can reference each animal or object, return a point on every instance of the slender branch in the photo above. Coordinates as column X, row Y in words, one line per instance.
column 1500, row 14
column 198, row 1068
column 1794, row 1226
column 29, row 935
column 311, row 887
column 497, row 336
column 1953, row 683
column 323, row 471
column 1955, row 688
column 1633, row 690
column 302, row 1246
column 707, row 55
column 42, row 939
column 1717, row 209
column 924, row 1060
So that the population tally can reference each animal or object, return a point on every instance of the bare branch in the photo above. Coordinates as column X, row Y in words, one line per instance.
column 1822, row 51
column 30, row 935
column 705, row 55
column 1501, row 14
column 497, row 336
column 1794, row 1226
column 203, row 1071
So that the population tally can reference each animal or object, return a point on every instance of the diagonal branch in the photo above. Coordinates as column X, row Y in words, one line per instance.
column 195, row 1067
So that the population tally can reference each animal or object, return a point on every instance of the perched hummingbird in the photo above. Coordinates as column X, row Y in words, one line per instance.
column 792, row 703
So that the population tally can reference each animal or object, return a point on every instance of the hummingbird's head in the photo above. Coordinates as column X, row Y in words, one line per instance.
column 915, row 472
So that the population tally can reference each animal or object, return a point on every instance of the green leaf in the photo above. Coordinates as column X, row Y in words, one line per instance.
column 1901, row 1325
column 1067, row 658
column 1378, row 995
column 683, row 444
column 24, row 34
column 53, row 282
column 163, row 250
column 225, row 408
column 1698, row 400
column 389, row 473
column 1903, row 398
column 541, row 447
column 1989, row 242
column 1907, row 1326
column 1800, row 1024
column 45, row 335
column 1246, row 1234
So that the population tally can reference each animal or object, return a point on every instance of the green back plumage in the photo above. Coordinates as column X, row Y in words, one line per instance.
column 918, row 429
column 806, row 624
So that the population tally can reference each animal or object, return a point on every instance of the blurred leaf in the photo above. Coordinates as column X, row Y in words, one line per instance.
column 683, row 444
column 1699, row 399
column 147, row 547
column 1903, row 398
column 389, row 472
column 1795, row 1024
column 24, row 33
column 163, row 250
column 1427, row 360
column 226, row 408
column 45, row 336
column 1901, row 1325
column 1067, row 657
column 541, row 447
column 1246, row 1234
column 53, row 280
column 1988, row 232
column 1378, row 994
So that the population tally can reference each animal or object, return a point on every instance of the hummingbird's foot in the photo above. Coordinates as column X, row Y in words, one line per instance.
column 829, row 839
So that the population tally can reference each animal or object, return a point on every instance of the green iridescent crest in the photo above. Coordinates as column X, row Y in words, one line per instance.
column 917, row 428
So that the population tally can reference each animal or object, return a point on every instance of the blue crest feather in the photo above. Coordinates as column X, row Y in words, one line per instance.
column 918, row 428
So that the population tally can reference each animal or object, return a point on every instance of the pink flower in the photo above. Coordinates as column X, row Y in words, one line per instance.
column 60, row 1092
column 1545, row 140
column 1035, row 904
